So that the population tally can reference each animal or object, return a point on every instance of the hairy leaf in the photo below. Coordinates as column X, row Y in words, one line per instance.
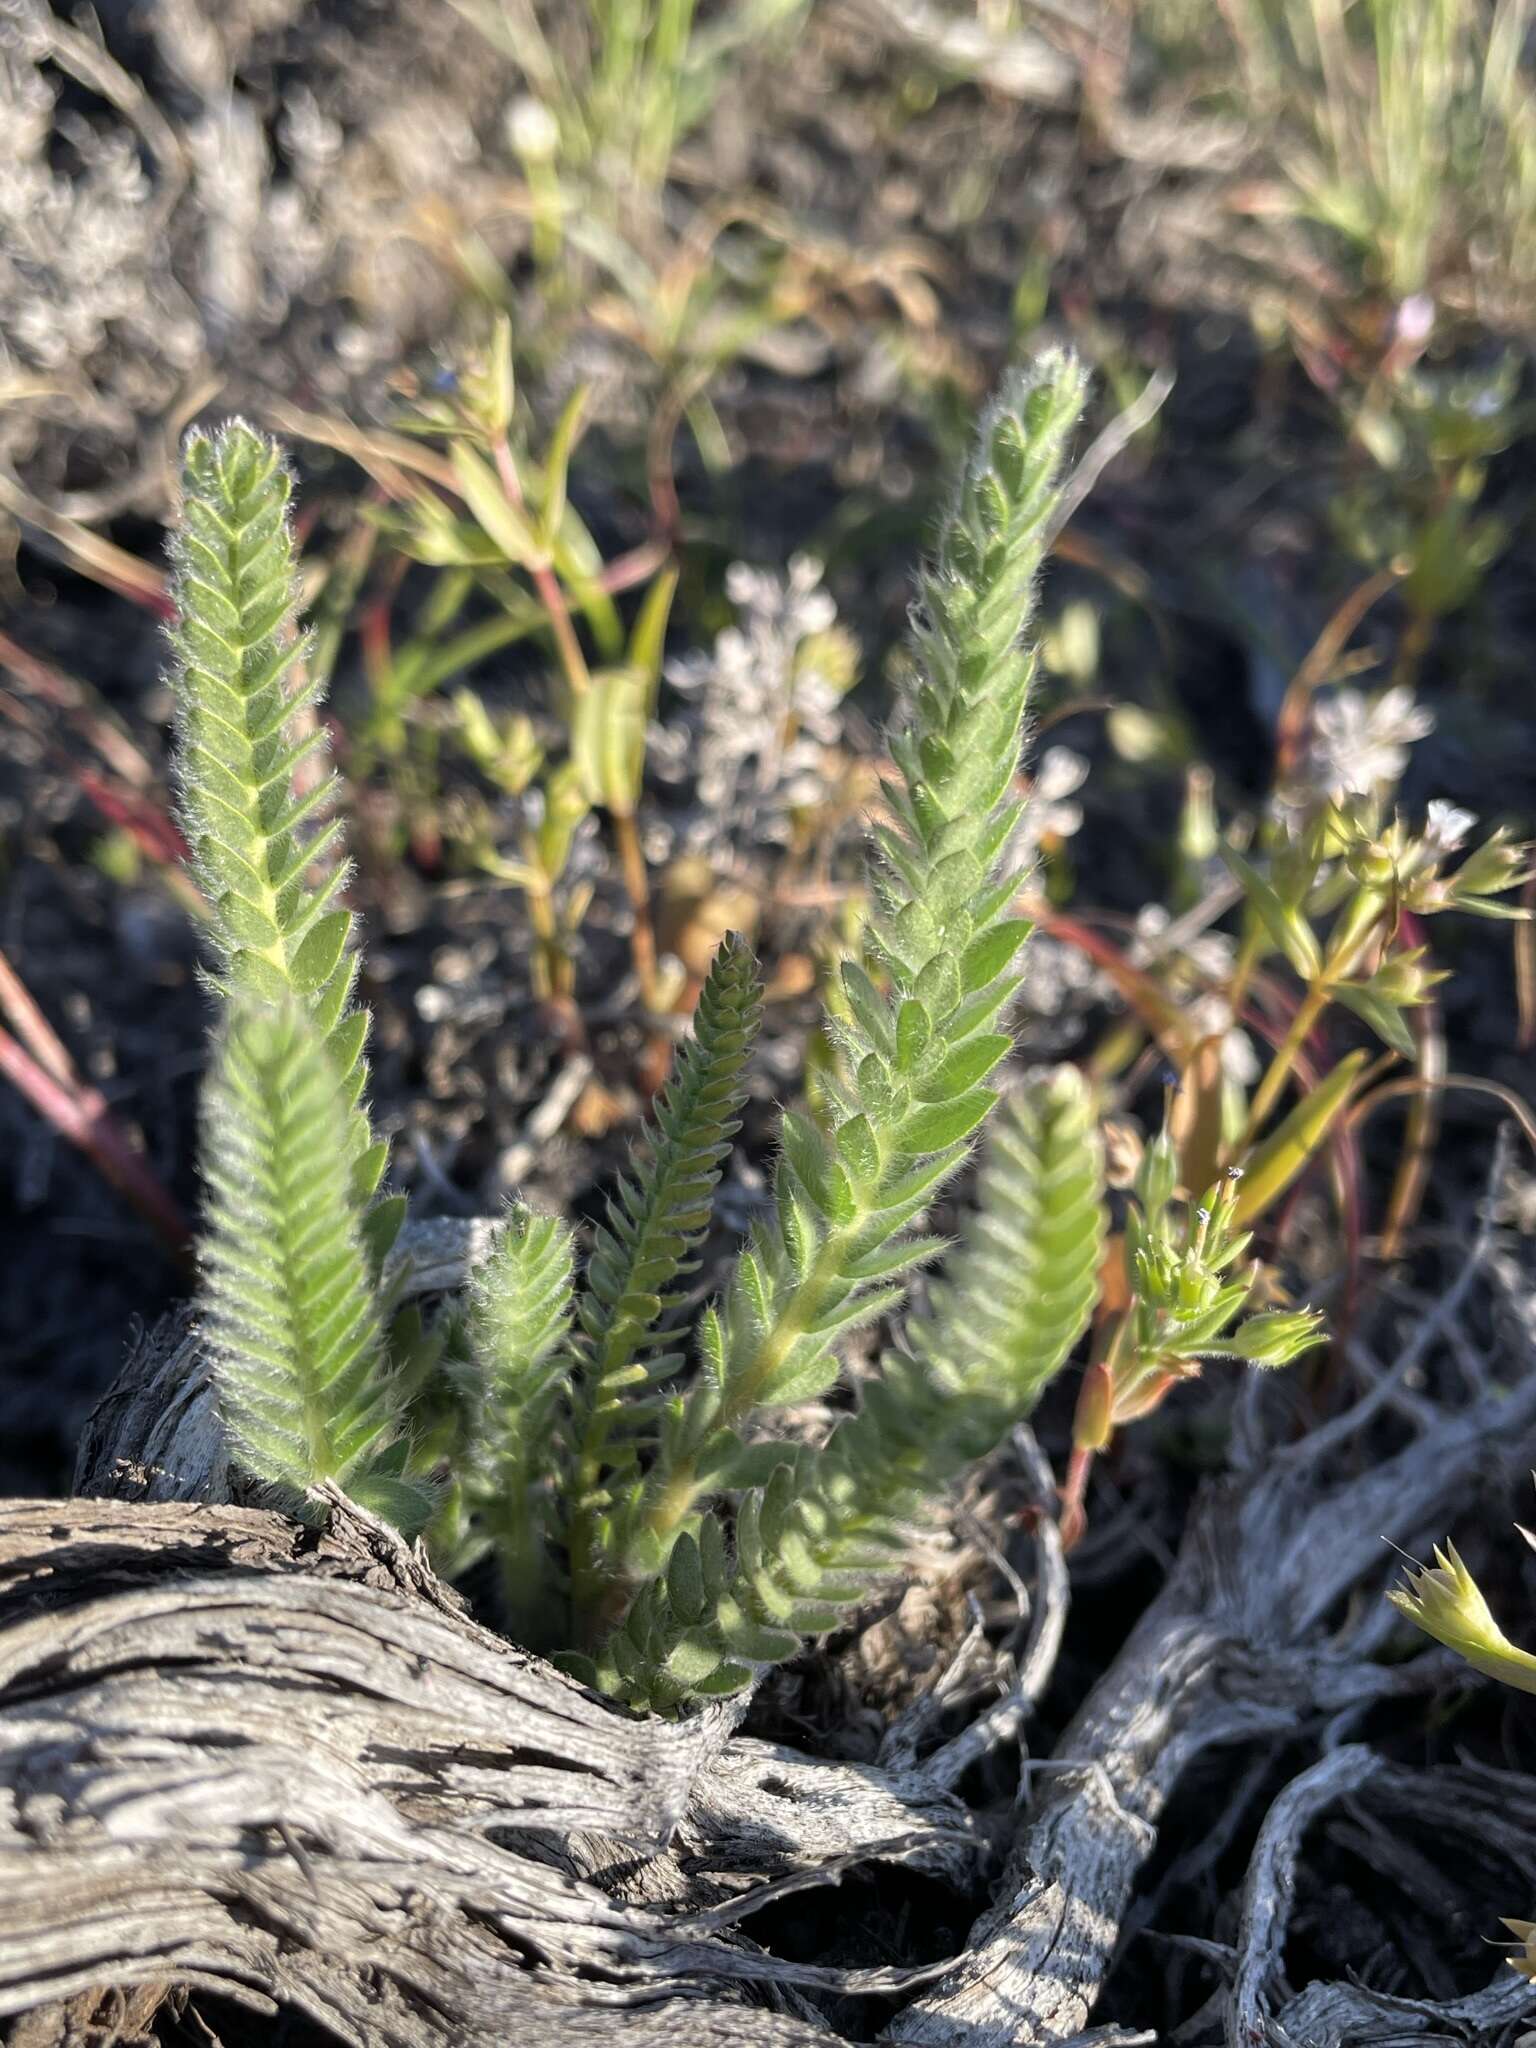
column 288, row 1297
column 944, row 888
column 250, row 752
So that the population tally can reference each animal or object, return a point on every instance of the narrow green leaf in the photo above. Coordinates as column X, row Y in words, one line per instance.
column 503, row 521
column 557, row 464
column 319, row 952
column 938, row 1125
column 1288, row 927
column 1384, row 1017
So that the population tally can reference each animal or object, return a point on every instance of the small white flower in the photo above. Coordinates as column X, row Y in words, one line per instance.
column 1415, row 319
column 1360, row 748
column 1211, row 1016
column 1060, row 774
column 1058, row 979
column 1050, row 814
column 533, row 131
column 765, row 712
column 1446, row 826
column 1210, row 953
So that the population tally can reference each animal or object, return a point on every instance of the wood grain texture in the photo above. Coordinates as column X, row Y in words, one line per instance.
column 284, row 1763
column 236, row 1752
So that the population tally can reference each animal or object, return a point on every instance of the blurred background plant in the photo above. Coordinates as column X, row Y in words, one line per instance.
column 614, row 88
column 497, row 525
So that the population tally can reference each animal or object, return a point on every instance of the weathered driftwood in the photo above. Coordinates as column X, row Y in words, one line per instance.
column 1492, row 1809
column 285, row 1765
column 1239, row 1644
column 237, row 1753
column 242, row 1755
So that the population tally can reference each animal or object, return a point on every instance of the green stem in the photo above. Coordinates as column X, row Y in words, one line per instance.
column 1247, row 959
column 524, row 1565
column 1268, row 1092
column 679, row 1488
column 547, row 584
column 637, row 887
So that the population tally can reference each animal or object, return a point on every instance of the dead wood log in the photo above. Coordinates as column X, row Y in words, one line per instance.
column 240, row 1754
column 1243, row 1641
column 284, row 1764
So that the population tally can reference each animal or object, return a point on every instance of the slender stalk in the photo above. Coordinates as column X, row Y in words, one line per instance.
column 546, row 583
column 637, row 887
column 578, row 679
column 551, row 975
column 1355, row 932
column 1242, row 973
column 1267, row 1094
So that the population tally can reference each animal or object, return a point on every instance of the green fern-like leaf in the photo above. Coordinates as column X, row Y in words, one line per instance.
column 655, row 1223
column 1003, row 1319
column 289, row 1303
column 520, row 1323
column 254, row 792
column 917, row 1057
column 817, row 1538
column 522, row 1308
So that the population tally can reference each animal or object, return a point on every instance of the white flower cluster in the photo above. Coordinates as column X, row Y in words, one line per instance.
column 1211, row 955
column 767, row 705
column 1359, row 747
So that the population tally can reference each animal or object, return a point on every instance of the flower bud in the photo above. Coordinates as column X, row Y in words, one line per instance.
column 1157, row 1176
column 1277, row 1336
column 1371, row 862
column 1498, row 864
column 1405, row 980
column 1446, row 1602
column 533, row 131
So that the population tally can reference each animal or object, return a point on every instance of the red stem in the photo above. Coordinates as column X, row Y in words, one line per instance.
column 81, row 1114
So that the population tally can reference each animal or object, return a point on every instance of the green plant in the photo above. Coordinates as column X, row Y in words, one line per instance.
column 1391, row 184
column 614, row 89
column 812, row 1539
column 1416, row 508
column 293, row 1241
column 293, row 1317
column 1333, row 892
column 618, row 84
column 1446, row 1602
column 1333, row 898
column 253, row 785
column 1404, row 130
column 497, row 523
column 661, row 1539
